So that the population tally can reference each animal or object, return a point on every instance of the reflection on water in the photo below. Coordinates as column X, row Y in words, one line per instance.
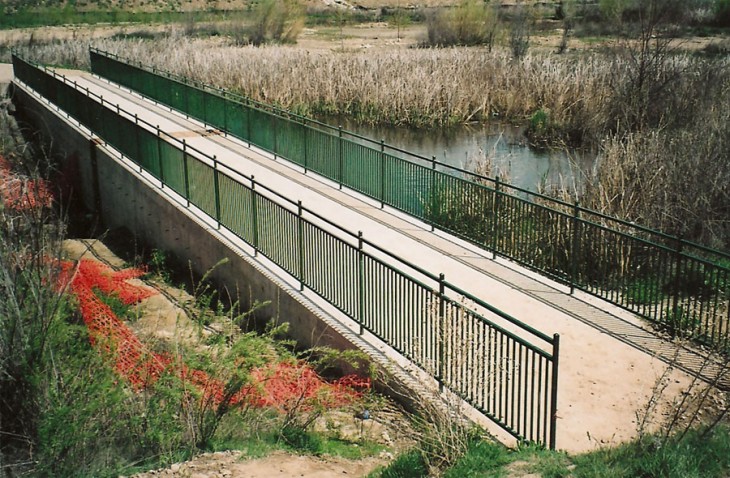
column 467, row 146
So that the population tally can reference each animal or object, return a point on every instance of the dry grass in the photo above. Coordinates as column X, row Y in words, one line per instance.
column 421, row 86
column 574, row 99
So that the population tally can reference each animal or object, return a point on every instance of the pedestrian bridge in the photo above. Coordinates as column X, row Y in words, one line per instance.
column 488, row 290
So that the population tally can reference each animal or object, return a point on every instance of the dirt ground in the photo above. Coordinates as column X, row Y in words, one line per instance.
column 370, row 36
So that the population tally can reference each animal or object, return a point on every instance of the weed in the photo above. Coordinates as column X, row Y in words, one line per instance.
column 481, row 458
column 406, row 465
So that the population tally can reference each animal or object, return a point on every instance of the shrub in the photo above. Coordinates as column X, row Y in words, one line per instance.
column 472, row 22
column 276, row 21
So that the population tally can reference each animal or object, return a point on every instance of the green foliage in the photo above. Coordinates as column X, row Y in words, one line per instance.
column 483, row 458
column 645, row 290
column 302, row 440
column 472, row 22
column 700, row 453
column 87, row 416
column 406, row 465
column 614, row 9
column 276, row 21
column 119, row 308
column 721, row 12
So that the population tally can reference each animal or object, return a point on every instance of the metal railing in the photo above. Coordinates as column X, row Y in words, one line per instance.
column 476, row 351
column 682, row 287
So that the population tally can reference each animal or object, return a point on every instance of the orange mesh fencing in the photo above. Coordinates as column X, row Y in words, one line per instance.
column 20, row 193
column 278, row 385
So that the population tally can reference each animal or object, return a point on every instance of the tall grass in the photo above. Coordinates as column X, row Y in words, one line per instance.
column 425, row 87
column 657, row 121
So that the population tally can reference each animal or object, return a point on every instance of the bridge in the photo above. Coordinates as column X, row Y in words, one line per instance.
column 493, row 294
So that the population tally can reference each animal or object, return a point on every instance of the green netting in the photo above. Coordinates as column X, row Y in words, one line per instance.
column 215, row 111
column 237, row 119
column 173, row 167
column 149, row 153
column 178, row 95
column 277, row 234
column 236, row 208
column 196, row 103
column 202, row 186
column 263, row 132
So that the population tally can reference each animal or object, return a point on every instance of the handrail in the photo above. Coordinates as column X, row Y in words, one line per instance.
column 624, row 263
column 497, row 344
column 476, row 177
column 216, row 164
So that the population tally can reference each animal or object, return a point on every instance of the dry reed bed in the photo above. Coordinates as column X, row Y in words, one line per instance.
column 665, row 176
column 417, row 86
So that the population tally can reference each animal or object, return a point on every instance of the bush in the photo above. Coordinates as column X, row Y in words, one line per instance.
column 721, row 13
column 473, row 22
column 276, row 21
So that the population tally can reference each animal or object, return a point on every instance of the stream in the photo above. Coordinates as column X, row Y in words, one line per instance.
column 470, row 146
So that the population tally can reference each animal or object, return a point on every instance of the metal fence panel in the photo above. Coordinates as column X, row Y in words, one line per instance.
column 236, row 207
column 423, row 324
column 330, row 268
column 277, row 234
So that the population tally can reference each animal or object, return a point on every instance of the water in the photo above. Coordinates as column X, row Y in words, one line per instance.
column 467, row 147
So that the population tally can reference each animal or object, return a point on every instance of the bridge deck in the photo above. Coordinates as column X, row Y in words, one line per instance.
column 609, row 359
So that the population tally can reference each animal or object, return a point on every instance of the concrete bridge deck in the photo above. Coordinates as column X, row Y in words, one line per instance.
column 609, row 360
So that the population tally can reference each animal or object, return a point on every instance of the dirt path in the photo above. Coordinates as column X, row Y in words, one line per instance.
column 278, row 464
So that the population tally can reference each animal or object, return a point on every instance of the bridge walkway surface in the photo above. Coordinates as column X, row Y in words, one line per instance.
column 609, row 360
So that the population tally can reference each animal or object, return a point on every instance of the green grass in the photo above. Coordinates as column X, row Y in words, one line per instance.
column 119, row 308
column 696, row 455
column 406, row 465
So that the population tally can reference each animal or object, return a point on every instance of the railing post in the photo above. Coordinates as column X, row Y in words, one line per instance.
column 138, row 159
column 554, row 391
column 495, row 216
column 254, row 217
column 382, row 173
column 216, row 189
column 361, row 282
column 185, row 171
column 441, row 331
column 248, row 123
column 432, row 193
column 575, row 247
column 204, row 95
column 276, row 134
column 159, row 158
column 300, row 244
column 306, row 143
column 339, row 155
column 225, row 116
column 676, row 319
